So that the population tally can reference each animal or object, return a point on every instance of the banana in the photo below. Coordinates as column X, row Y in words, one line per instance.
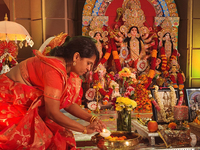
column 141, row 122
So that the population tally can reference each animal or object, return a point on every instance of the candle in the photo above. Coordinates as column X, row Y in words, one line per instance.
column 105, row 133
column 127, row 143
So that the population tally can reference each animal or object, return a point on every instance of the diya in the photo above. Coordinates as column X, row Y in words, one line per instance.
column 132, row 139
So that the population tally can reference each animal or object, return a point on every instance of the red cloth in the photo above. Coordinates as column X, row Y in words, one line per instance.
column 21, row 127
column 181, row 112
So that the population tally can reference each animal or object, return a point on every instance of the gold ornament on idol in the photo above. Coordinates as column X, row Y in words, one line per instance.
column 173, row 103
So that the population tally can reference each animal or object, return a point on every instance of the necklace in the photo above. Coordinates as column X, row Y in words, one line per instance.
column 173, row 103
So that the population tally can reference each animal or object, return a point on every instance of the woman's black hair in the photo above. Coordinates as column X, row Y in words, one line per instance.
column 129, row 38
column 100, row 35
column 170, row 41
column 85, row 46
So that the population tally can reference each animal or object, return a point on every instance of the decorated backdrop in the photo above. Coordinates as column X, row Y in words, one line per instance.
column 137, row 41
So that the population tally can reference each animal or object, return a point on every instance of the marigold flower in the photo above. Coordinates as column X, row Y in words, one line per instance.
column 125, row 102
column 172, row 125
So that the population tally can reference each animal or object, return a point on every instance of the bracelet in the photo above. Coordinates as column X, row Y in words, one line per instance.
column 92, row 119
column 85, row 131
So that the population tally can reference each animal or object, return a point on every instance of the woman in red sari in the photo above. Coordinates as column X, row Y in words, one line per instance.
column 33, row 92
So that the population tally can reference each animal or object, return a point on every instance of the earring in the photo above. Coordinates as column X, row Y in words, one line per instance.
column 74, row 63
column 137, row 35
column 129, row 35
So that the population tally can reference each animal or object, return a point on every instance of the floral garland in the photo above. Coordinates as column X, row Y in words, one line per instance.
column 163, row 58
column 173, row 103
column 166, row 66
column 112, row 47
column 173, row 98
column 141, row 95
column 151, row 73
column 180, row 81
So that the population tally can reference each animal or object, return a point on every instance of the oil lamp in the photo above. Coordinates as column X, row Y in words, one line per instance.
column 105, row 133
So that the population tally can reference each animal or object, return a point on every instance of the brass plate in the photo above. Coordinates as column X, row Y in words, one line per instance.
column 132, row 140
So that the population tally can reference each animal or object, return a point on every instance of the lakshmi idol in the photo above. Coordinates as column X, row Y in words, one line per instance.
column 98, row 38
column 167, row 44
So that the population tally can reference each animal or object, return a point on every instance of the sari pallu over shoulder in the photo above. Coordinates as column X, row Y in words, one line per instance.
column 30, row 131
column 72, row 90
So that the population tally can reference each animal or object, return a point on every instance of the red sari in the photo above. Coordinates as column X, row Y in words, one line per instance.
column 21, row 124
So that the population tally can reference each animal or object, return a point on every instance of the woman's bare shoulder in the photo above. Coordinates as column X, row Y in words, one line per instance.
column 15, row 75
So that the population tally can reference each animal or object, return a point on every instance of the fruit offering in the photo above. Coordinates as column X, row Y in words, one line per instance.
column 152, row 126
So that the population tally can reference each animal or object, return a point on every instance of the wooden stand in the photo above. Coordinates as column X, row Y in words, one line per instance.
column 143, row 130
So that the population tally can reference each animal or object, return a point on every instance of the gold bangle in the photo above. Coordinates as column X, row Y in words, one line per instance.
column 92, row 119
column 85, row 131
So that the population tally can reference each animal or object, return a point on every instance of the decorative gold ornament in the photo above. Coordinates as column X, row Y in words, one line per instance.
column 144, row 30
column 96, row 26
column 128, row 4
column 133, row 16
column 119, row 14
column 94, row 31
column 167, row 27
column 74, row 63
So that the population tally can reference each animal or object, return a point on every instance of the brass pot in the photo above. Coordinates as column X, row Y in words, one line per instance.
column 132, row 140
column 160, row 81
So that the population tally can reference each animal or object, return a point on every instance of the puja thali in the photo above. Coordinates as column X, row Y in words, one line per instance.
column 132, row 139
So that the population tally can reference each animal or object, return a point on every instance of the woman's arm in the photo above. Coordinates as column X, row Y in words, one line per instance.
column 77, row 111
column 52, row 110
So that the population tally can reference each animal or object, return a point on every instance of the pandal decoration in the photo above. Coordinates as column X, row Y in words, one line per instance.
column 134, row 16
column 160, row 104
column 96, row 26
column 8, row 52
column 167, row 63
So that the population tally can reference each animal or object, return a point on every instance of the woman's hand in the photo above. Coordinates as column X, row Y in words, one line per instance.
column 96, row 126
column 91, row 128
column 99, row 124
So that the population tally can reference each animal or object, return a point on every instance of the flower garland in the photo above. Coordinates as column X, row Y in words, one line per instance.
column 151, row 73
column 154, row 102
column 173, row 103
column 163, row 58
column 166, row 66
column 141, row 95
column 180, row 81
column 112, row 47
column 173, row 98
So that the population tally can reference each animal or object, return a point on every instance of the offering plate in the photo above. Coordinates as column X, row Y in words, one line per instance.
column 132, row 140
